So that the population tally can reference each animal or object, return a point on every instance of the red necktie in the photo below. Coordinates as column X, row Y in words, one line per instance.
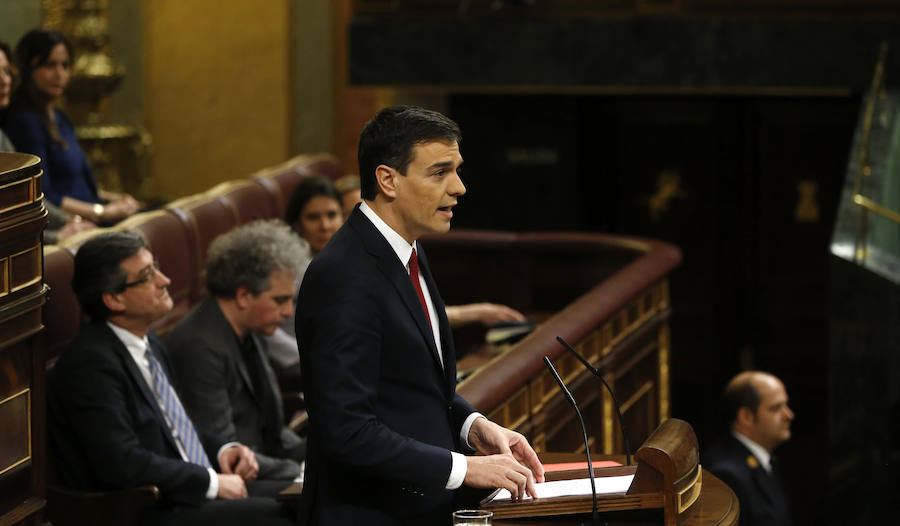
column 414, row 276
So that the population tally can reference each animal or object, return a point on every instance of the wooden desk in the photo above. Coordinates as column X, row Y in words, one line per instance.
column 717, row 503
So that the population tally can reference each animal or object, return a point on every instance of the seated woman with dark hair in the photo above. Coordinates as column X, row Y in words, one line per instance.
column 314, row 212
column 60, row 224
column 37, row 126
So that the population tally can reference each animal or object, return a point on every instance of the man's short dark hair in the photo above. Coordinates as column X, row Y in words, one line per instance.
column 739, row 394
column 389, row 139
column 98, row 271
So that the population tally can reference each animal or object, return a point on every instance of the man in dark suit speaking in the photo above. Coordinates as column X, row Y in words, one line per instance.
column 379, row 367
column 759, row 420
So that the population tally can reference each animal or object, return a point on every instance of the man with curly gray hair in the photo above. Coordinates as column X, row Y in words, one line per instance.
column 219, row 355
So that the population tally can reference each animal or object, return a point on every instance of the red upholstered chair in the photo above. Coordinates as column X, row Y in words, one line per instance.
column 205, row 216
column 62, row 313
column 326, row 165
column 249, row 200
column 281, row 180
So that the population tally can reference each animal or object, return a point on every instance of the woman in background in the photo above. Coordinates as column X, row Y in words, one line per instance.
column 5, row 92
column 37, row 126
column 60, row 224
column 314, row 212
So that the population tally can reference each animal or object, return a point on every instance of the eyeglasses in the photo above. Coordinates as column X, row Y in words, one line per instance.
column 144, row 276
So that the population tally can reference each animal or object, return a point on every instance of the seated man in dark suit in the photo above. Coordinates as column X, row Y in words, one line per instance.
column 760, row 421
column 217, row 352
column 114, row 414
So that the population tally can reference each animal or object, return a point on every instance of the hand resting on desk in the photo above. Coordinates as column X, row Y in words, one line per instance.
column 509, row 462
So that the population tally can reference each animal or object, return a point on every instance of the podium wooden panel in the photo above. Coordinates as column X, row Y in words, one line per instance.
column 716, row 505
column 22, row 295
column 667, row 477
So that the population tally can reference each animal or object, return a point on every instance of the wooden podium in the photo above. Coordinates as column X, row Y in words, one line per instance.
column 667, row 477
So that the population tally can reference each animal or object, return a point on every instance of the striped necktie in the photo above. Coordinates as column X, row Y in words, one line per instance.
column 178, row 418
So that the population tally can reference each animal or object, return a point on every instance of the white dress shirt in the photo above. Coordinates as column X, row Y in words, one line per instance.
column 404, row 251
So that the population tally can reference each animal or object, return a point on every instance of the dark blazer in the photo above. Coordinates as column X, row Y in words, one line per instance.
column 383, row 412
column 217, row 391
column 66, row 169
column 106, row 428
column 762, row 497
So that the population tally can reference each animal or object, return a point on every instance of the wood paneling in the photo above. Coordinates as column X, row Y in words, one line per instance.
column 22, row 422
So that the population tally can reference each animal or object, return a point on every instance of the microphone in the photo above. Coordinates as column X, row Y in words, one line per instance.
column 587, row 449
column 596, row 372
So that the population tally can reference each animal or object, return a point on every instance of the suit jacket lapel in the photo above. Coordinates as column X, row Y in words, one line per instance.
column 228, row 340
column 763, row 480
column 270, row 379
column 446, row 333
column 138, row 378
column 766, row 483
column 395, row 272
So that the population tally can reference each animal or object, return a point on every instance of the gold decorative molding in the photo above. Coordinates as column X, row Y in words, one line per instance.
column 689, row 495
column 21, row 270
column 531, row 400
column 663, row 344
column 16, row 404
column 642, row 391
column 608, row 412
column 19, row 193
column 4, row 277
column 25, row 268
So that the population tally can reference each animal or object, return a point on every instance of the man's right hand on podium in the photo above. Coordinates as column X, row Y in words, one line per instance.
column 500, row 471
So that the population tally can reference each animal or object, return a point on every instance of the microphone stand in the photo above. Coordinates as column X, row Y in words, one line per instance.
column 595, row 515
column 597, row 373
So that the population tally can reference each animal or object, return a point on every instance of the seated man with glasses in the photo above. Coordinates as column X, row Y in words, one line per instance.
column 115, row 416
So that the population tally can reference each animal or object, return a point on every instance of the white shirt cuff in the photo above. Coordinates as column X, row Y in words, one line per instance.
column 213, row 489
column 460, row 466
column 457, row 470
column 464, row 432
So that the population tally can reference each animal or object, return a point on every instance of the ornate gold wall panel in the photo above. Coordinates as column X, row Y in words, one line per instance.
column 216, row 90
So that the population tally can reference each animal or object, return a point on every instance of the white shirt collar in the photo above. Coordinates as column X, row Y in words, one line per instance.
column 136, row 345
column 400, row 246
column 758, row 451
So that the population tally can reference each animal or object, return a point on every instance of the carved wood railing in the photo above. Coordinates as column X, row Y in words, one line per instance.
column 609, row 297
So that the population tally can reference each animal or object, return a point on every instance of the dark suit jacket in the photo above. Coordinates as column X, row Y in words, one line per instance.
column 384, row 414
column 763, row 501
column 106, row 428
column 217, row 391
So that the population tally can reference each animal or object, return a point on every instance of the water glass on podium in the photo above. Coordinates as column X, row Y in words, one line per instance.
column 472, row 517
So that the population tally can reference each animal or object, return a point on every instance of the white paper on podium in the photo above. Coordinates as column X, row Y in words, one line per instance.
column 574, row 487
